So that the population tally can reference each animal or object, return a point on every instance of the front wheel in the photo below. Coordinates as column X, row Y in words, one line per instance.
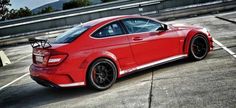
column 102, row 74
column 199, row 47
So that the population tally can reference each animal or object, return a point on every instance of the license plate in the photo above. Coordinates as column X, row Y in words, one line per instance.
column 39, row 59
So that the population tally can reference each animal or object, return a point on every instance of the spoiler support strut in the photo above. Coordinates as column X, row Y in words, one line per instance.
column 43, row 43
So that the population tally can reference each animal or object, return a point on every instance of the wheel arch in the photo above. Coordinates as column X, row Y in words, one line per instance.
column 189, row 38
column 106, row 55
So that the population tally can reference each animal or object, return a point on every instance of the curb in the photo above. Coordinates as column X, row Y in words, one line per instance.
column 225, row 19
column 4, row 60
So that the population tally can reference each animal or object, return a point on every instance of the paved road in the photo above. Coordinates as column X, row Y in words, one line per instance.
column 206, row 83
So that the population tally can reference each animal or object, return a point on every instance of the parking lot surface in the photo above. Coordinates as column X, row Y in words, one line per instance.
column 184, row 83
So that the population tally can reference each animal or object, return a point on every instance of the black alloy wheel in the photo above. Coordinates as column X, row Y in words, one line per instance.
column 102, row 74
column 199, row 47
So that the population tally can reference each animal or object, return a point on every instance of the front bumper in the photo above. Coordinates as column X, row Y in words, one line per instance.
column 211, row 45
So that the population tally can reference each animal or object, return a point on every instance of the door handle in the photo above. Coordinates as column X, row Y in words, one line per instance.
column 137, row 38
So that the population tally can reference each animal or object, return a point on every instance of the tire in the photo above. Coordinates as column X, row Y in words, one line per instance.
column 102, row 74
column 199, row 47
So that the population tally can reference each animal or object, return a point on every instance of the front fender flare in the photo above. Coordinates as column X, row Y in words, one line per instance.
column 189, row 37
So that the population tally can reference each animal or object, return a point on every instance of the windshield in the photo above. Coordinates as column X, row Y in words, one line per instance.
column 71, row 34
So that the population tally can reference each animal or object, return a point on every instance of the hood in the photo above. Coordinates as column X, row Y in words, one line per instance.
column 184, row 26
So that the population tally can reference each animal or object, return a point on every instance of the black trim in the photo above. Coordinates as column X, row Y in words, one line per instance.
column 44, row 82
column 122, row 21
column 117, row 22
column 123, row 27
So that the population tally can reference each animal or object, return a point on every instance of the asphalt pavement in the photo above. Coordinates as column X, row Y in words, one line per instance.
column 184, row 83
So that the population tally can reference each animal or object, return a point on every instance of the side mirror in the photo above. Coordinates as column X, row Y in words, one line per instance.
column 163, row 27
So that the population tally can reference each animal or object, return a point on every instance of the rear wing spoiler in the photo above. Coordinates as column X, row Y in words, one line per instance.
column 41, row 43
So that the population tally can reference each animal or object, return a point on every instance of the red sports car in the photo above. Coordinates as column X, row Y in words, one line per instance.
column 98, row 52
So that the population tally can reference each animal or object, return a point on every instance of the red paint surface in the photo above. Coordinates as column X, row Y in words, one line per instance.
column 126, row 51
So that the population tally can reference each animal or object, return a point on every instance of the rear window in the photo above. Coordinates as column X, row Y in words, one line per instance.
column 71, row 34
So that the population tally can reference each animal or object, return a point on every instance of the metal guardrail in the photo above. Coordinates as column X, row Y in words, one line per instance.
column 193, row 10
column 62, row 12
column 52, row 30
column 157, row 8
column 145, row 3
column 159, row 14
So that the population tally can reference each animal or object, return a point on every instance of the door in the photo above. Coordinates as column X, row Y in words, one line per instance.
column 112, row 39
column 147, row 42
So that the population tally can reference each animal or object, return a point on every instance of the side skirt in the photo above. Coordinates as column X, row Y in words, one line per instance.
column 72, row 84
column 155, row 63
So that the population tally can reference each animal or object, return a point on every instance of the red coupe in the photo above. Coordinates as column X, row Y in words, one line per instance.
column 98, row 52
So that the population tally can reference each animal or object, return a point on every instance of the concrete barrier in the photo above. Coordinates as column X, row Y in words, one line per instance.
column 4, row 60
column 76, row 16
column 151, row 10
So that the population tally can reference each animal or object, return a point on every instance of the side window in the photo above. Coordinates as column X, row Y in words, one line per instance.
column 137, row 25
column 109, row 30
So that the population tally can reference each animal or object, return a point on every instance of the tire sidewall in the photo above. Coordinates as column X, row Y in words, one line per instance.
column 90, row 75
column 193, row 56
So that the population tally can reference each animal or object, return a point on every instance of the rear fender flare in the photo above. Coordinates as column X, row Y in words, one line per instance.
column 105, row 54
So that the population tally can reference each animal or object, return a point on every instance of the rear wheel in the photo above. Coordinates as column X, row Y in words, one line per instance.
column 199, row 48
column 102, row 74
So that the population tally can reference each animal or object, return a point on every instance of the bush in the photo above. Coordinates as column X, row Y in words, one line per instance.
column 22, row 12
column 75, row 4
column 46, row 10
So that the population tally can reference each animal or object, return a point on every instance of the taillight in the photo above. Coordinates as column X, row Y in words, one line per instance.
column 56, row 59
column 46, row 57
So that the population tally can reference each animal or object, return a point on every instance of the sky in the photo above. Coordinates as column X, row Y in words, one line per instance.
column 16, row 4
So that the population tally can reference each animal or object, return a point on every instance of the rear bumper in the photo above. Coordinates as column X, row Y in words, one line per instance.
column 44, row 82
column 51, row 77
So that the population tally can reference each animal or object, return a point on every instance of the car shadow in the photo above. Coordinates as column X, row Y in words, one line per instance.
column 31, row 94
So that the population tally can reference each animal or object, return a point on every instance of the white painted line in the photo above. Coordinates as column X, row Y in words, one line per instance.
column 225, row 48
column 229, row 51
column 234, row 56
column 3, row 87
column 217, row 42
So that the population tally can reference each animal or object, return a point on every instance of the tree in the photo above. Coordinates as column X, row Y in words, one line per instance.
column 12, row 14
column 46, row 10
column 4, row 9
column 104, row 1
column 75, row 4
column 22, row 12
